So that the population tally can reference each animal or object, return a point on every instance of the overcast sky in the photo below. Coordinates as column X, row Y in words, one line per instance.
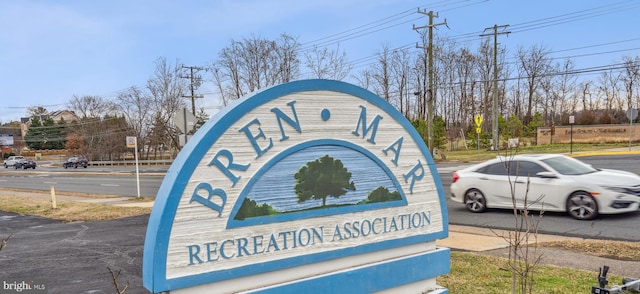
column 52, row 50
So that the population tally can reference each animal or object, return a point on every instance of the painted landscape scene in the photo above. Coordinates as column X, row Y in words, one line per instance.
column 318, row 177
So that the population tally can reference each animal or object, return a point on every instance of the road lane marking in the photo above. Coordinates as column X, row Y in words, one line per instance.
column 110, row 185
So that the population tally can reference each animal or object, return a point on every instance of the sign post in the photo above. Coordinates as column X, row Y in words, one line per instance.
column 478, row 120
column 185, row 122
column 572, row 119
column 632, row 113
column 132, row 142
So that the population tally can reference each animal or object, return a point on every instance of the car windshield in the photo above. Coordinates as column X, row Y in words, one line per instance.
column 569, row 166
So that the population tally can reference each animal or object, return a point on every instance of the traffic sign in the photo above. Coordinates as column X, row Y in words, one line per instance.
column 131, row 142
column 632, row 113
column 478, row 121
column 478, row 130
column 185, row 120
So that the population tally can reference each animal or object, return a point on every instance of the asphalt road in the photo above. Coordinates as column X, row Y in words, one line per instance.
column 122, row 181
column 118, row 181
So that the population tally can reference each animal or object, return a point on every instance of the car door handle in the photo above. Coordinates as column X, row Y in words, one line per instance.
column 520, row 182
column 483, row 178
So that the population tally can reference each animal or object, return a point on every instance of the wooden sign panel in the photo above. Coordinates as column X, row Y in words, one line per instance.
column 312, row 183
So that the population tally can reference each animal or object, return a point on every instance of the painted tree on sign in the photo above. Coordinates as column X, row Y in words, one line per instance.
column 322, row 178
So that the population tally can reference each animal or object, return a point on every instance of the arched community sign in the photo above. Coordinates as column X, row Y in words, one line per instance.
column 310, row 186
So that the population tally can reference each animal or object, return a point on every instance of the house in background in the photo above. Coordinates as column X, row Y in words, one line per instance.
column 11, row 129
column 66, row 115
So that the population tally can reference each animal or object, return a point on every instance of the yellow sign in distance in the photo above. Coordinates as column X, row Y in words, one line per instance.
column 478, row 120
column 478, row 130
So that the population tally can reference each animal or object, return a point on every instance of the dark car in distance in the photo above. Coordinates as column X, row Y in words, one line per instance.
column 25, row 163
column 75, row 162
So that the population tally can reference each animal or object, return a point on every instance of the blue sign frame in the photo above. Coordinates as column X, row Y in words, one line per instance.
column 173, row 186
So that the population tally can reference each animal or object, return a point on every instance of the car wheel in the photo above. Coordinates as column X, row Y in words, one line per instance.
column 5, row 165
column 474, row 201
column 75, row 166
column 582, row 206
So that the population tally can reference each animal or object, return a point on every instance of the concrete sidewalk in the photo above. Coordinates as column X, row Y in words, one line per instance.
column 483, row 239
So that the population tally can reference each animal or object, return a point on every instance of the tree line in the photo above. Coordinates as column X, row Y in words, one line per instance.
column 533, row 90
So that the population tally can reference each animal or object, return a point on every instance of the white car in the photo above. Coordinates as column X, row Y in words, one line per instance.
column 12, row 160
column 546, row 182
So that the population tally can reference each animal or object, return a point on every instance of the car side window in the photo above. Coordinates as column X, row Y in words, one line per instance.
column 498, row 168
column 529, row 169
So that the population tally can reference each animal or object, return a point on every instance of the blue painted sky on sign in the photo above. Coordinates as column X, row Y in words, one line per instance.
column 52, row 50
column 276, row 186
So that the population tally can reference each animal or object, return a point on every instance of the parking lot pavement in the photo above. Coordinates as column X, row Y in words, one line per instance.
column 73, row 257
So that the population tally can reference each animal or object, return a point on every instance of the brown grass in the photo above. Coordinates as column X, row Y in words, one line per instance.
column 602, row 248
column 67, row 210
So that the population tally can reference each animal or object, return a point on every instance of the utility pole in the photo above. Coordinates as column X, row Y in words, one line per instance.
column 195, row 82
column 431, row 90
column 494, row 108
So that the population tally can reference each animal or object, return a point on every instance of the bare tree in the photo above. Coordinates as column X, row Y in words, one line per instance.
column 400, row 69
column 90, row 106
column 166, row 89
column 630, row 78
column 135, row 106
column 466, row 73
column 535, row 64
column 381, row 74
column 227, row 73
column 364, row 79
column 252, row 64
column 609, row 83
column 523, row 259
column 97, row 131
column 326, row 63
column 421, row 72
column 484, row 63
column 287, row 59
column 565, row 90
